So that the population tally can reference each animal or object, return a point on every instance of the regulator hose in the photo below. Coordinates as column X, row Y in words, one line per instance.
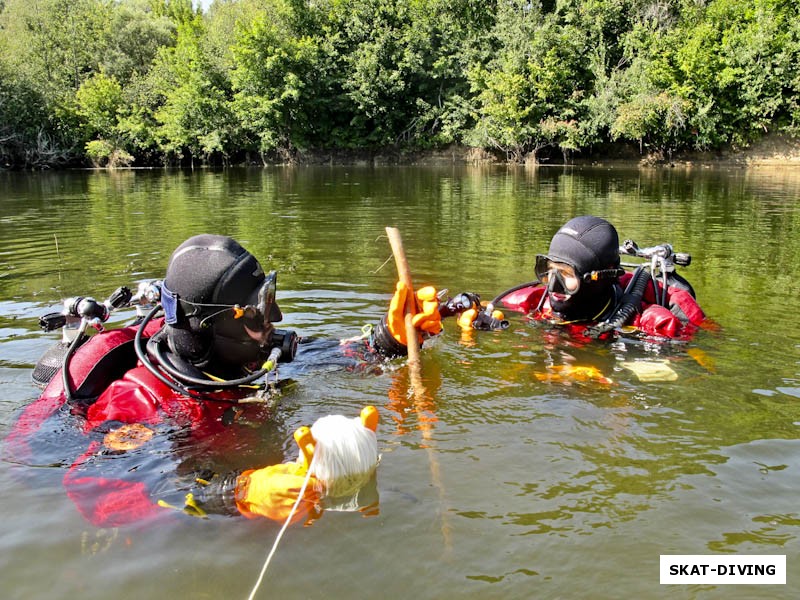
column 77, row 341
column 209, row 384
column 486, row 321
column 628, row 306
column 141, row 354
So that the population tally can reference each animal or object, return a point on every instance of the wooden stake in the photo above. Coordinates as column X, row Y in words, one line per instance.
column 415, row 374
column 404, row 275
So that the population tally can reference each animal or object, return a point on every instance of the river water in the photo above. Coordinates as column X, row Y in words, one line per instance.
column 507, row 481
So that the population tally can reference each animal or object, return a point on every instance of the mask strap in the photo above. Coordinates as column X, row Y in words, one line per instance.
column 603, row 274
column 169, row 302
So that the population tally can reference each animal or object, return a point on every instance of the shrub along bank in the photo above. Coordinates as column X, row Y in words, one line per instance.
column 151, row 82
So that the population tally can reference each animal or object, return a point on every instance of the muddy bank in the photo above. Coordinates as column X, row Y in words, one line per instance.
column 769, row 151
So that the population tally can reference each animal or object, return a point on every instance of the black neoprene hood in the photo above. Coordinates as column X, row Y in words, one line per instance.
column 215, row 269
column 587, row 243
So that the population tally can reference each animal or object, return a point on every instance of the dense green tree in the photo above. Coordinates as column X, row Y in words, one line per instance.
column 195, row 119
column 54, row 45
column 180, row 12
column 25, row 136
column 99, row 100
column 401, row 67
column 451, row 35
column 275, row 67
column 729, row 65
column 50, row 47
column 137, row 31
column 163, row 82
column 530, row 94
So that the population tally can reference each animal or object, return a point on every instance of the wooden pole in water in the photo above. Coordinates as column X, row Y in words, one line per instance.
column 404, row 275
column 415, row 371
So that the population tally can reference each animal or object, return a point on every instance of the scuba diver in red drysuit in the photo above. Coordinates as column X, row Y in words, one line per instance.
column 582, row 288
column 137, row 410
column 583, row 294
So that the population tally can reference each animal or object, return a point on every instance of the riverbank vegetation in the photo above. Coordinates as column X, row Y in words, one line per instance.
column 150, row 82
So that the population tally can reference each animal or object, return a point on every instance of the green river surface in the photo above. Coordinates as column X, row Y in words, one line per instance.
column 503, row 482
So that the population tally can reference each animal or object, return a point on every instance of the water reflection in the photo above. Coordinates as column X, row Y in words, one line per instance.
column 506, row 472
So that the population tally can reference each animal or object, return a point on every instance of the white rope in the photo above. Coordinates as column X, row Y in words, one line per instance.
column 283, row 529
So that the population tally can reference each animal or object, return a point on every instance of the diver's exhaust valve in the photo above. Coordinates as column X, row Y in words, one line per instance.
column 147, row 296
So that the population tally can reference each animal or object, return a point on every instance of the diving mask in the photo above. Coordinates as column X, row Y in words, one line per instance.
column 555, row 275
column 551, row 273
column 259, row 317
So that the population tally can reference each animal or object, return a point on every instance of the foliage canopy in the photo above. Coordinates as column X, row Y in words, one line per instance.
column 158, row 81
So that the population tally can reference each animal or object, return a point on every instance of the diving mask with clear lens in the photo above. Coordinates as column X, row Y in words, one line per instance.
column 259, row 317
column 562, row 278
column 557, row 274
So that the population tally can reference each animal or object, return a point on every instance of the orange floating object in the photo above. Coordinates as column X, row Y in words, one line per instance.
column 305, row 441
column 128, row 437
column 569, row 373
column 702, row 359
column 370, row 417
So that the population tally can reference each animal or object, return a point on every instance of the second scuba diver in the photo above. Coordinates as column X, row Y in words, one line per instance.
column 583, row 294
column 129, row 397
column 582, row 287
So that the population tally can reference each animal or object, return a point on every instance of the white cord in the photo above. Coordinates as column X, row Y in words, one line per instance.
column 283, row 529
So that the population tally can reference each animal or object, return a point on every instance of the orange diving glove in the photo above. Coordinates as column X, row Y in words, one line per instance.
column 474, row 318
column 426, row 316
column 272, row 491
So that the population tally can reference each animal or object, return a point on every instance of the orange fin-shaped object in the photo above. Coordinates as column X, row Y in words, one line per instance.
column 305, row 441
column 370, row 417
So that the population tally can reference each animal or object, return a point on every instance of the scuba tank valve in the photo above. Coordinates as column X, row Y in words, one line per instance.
column 663, row 259
column 83, row 307
column 147, row 295
column 664, row 254
column 78, row 313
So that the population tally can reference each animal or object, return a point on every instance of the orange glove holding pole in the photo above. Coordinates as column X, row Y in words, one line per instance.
column 404, row 276
column 426, row 317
